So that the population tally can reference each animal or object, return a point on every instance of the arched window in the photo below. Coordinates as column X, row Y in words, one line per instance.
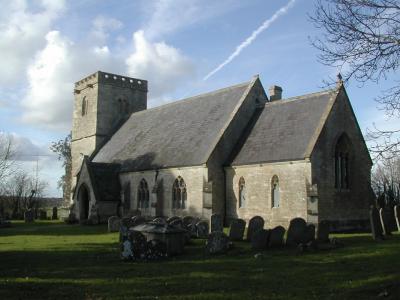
column 179, row 193
column 242, row 192
column 275, row 193
column 143, row 194
column 127, row 197
column 84, row 106
column 342, row 163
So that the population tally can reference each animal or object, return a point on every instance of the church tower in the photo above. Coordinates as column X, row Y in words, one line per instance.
column 102, row 102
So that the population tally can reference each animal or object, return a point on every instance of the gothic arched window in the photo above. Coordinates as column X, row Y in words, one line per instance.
column 179, row 193
column 242, row 192
column 127, row 197
column 342, row 163
column 143, row 194
column 84, row 106
column 275, row 193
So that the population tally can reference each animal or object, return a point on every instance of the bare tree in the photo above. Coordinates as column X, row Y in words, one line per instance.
column 63, row 149
column 385, row 182
column 6, row 157
column 362, row 39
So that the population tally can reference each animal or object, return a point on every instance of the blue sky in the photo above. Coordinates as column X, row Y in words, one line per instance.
column 48, row 45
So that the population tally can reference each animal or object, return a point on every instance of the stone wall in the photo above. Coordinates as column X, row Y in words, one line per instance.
column 194, row 178
column 294, row 177
column 346, row 209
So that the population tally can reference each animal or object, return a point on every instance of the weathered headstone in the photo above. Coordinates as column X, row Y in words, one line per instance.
column 29, row 216
column 160, row 221
column 387, row 220
column 276, row 237
column 191, row 227
column 259, row 239
column 308, row 234
column 296, row 230
column 256, row 223
column 54, row 216
column 187, row 221
column 217, row 243
column 397, row 216
column 113, row 224
column 236, row 230
column 202, row 229
column 176, row 223
column 136, row 220
column 216, row 223
column 323, row 232
column 376, row 226
column 171, row 219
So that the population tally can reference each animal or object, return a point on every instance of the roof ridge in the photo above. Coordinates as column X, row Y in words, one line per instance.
column 301, row 97
column 179, row 101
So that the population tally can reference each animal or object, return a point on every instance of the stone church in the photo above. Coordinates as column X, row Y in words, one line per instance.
column 237, row 151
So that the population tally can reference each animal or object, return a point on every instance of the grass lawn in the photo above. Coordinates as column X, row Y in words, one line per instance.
column 51, row 260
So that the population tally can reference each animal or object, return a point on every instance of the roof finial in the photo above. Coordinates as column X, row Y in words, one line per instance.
column 339, row 82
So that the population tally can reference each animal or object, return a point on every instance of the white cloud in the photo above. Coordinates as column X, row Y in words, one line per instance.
column 22, row 33
column 102, row 26
column 164, row 66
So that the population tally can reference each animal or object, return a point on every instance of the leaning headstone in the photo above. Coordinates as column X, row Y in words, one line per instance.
column 216, row 223
column 54, row 216
column 276, row 237
column 296, row 230
column 202, row 229
column 29, row 216
column 113, row 224
column 376, row 227
column 397, row 216
column 236, row 230
column 323, row 232
column 256, row 223
column 387, row 220
column 259, row 239
column 217, row 243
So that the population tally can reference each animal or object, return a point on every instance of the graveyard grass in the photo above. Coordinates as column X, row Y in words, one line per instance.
column 51, row 260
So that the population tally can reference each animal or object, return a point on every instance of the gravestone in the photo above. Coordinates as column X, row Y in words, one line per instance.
column 202, row 229
column 323, row 232
column 54, row 216
column 387, row 220
column 397, row 216
column 29, row 216
column 217, row 243
column 187, row 221
column 376, row 226
column 216, row 223
column 296, row 231
column 42, row 215
column 113, row 224
column 276, row 237
column 136, row 220
column 308, row 234
column 191, row 227
column 256, row 223
column 236, row 230
column 259, row 239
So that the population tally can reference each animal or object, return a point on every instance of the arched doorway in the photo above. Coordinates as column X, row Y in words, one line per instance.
column 84, row 199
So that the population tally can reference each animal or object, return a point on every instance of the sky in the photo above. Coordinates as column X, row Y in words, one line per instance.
column 182, row 47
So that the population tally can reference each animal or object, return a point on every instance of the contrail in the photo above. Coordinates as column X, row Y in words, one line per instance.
column 252, row 37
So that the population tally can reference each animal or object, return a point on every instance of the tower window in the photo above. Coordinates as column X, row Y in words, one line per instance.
column 342, row 163
column 242, row 192
column 275, row 192
column 143, row 194
column 179, row 193
column 84, row 106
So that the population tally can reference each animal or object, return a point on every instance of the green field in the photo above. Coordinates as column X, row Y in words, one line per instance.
column 51, row 260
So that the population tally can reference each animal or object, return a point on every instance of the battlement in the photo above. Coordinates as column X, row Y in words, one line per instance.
column 111, row 79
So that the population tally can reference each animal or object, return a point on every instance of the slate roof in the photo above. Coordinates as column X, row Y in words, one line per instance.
column 105, row 180
column 284, row 129
column 181, row 133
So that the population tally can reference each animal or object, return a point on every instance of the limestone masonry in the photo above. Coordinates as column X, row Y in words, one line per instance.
column 235, row 151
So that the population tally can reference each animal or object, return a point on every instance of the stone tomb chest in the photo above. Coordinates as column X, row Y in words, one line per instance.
column 173, row 237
